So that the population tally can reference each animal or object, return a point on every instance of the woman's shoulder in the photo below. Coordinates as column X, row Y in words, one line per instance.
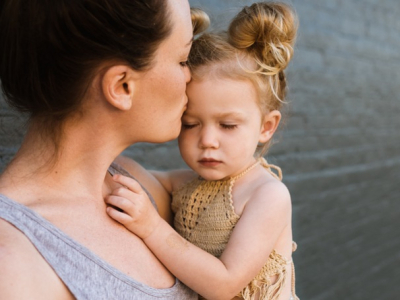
column 10, row 239
column 24, row 273
column 14, row 247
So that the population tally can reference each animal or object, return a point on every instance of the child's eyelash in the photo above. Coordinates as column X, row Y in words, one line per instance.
column 228, row 126
column 188, row 126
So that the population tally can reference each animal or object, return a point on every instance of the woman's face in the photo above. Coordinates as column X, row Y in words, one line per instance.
column 160, row 93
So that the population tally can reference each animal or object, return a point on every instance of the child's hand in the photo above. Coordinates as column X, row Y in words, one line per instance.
column 138, row 213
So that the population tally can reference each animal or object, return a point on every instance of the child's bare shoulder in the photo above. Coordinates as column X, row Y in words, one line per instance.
column 269, row 206
column 271, row 193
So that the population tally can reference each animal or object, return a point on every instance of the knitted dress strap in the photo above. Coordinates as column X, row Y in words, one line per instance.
column 268, row 166
column 294, row 247
column 262, row 161
column 234, row 178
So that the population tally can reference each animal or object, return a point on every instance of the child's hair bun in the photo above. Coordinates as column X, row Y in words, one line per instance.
column 200, row 20
column 266, row 30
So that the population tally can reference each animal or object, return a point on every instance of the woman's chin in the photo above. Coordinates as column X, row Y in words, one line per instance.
column 167, row 137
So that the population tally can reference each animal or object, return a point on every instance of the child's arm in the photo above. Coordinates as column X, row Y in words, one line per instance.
column 171, row 180
column 262, row 221
column 159, row 184
column 153, row 186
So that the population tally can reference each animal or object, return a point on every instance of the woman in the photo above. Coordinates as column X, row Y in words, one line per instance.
column 96, row 76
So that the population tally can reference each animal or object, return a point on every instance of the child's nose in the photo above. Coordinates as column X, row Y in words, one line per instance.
column 208, row 138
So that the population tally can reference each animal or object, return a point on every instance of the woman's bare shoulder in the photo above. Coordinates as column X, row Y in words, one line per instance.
column 24, row 273
column 13, row 243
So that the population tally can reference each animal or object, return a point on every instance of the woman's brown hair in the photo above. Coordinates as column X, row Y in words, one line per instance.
column 51, row 49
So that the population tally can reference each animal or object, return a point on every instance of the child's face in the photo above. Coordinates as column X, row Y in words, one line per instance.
column 220, row 128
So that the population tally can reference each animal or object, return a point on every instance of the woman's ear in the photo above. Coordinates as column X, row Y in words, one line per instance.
column 118, row 85
column 269, row 125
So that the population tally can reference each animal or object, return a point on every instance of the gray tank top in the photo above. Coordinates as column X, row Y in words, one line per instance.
column 86, row 275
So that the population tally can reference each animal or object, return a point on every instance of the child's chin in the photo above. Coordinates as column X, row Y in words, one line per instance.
column 212, row 177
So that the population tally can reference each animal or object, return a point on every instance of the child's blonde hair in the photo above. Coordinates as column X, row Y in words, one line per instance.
column 257, row 47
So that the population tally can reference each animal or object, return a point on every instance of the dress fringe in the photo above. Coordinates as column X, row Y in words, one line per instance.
column 264, row 289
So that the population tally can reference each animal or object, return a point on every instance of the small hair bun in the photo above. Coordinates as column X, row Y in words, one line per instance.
column 266, row 30
column 200, row 20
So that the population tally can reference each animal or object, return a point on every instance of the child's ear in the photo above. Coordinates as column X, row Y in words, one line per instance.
column 269, row 125
column 118, row 84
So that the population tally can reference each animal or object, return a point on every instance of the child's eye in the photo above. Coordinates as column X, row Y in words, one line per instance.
column 188, row 126
column 228, row 126
column 184, row 63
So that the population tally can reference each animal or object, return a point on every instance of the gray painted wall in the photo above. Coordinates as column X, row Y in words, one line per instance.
column 339, row 149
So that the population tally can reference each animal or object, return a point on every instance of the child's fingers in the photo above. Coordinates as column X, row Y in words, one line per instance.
column 120, row 202
column 130, row 183
column 124, row 193
column 118, row 216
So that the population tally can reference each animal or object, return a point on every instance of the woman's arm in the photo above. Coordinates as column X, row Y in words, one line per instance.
column 263, row 220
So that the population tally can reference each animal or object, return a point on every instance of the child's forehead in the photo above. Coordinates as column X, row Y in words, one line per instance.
column 214, row 81
column 220, row 96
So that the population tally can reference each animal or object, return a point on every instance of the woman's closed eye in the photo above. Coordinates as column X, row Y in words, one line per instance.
column 184, row 63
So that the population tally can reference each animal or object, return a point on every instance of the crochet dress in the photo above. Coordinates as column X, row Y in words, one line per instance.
column 205, row 216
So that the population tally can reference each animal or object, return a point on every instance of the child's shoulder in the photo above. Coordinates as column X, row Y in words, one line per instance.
column 270, row 191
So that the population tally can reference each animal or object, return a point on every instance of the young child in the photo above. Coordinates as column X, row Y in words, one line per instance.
column 233, row 212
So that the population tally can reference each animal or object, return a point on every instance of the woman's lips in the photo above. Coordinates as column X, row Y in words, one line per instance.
column 209, row 162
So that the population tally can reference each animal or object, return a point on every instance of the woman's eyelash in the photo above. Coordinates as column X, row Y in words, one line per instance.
column 184, row 63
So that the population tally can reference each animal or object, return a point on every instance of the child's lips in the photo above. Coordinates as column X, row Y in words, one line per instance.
column 209, row 162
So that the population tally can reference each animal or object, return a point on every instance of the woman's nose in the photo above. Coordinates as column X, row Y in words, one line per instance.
column 208, row 139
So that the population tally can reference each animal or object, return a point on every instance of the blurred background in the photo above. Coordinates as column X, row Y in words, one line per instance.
column 339, row 148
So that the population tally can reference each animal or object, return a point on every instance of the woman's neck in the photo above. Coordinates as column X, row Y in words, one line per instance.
column 77, row 170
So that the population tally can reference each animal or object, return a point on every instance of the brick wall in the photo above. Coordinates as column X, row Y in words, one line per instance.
column 339, row 149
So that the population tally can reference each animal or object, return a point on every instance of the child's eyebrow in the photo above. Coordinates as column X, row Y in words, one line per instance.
column 232, row 114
